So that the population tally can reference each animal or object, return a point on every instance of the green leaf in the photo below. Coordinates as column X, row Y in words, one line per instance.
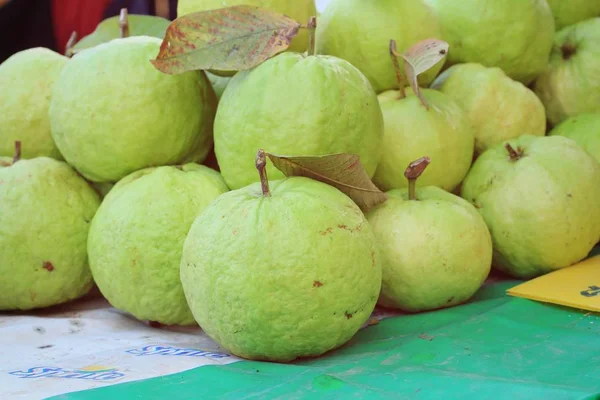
column 342, row 171
column 109, row 29
column 420, row 58
column 227, row 39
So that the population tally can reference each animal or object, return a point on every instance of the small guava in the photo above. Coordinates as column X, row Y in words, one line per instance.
column 280, row 270
column 45, row 213
column 498, row 107
column 137, row 236
column 584, row 129
column 113, row 113
column 26, row 81
column 539, row 198
column 436, row 248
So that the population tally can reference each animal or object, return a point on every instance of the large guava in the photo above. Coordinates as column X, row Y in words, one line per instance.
column 515, row 35
column 584, row 129
column 45, row 213
column 26, row 81
column 539, row 198
column 137, row 236
column 113, row 113
column 295, row 104
column 360, row 31
column 569, row 12
column 292, row 273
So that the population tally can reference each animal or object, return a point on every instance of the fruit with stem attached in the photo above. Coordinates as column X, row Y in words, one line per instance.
column 268, row 283
column 539, row 198
column 584, row 129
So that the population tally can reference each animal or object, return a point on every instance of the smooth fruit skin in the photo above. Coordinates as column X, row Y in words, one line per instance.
column 442, row 133
column 137, row 236
column 584, row 129
column 296, row 105
column 300, row 10
column 498, row 107
column 275, row 278
column 572, row 11
column 571, row 83
column 515, row 35
column 113, row 113
column 360, row 31
column 542, row 210
column 218, row 83
column 436, row 250
column 45, row 213
column 26, row 81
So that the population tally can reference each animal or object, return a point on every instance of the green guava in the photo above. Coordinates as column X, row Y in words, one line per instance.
column 539, row 198
column 218, row 83
column 45, row 213
column 514, row 35
column 137, row 236
column 436, row 249
column 294, row 273
column 113, row 113
column 571, row 83
column 569, row 12
column 442, row 133
column 584, row 129
column 498, row 107
column 300, row 10
column 26, row 81
column 360, row 32
column 296, row 105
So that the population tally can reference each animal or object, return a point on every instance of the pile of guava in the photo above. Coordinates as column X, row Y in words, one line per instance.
column 273, row 174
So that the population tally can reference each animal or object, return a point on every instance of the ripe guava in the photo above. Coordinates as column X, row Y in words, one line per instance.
column 515, row 35
column 584, row 129
column 539, row 198
column 300, row 10
column 137, row 236
column 569, row 12
column 297, row 105
column 281, row 270
column 26, row 81
column 436, row 248
column 571, row 83
column 360, row 32
column 113, row 113
column 443, row 132
column 498, row 107
column 45, row 212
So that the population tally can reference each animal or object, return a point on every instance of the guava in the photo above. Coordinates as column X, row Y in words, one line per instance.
column 571, row 83
column 26, row 81
column 300, row 10
column 498, row 107
column 514, row 35
column 572, row 11
column 584, row 129
column 45, row 213
column 539, row 198
column 442, row 132
column 113, row 113
column 436, row 249
column 296, row 105
column 219, row 83
column 280, row 270
column 137, row 236
column 360, row 32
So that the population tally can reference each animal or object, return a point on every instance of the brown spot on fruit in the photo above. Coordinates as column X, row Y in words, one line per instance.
column 342, row 227
column 326, row 231
column 450, row 299
column 32, row 295
column 48, row 266
column 348, row 315
column 235, row 232
column 372, row 258
column 317, row 284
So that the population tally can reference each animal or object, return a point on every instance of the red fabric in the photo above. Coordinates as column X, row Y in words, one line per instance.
column 81, row 16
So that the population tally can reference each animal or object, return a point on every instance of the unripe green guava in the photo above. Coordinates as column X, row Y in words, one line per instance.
column 569, row 12
column 584, row 129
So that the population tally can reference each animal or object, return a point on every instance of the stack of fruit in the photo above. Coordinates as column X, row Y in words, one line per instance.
column 409, row 147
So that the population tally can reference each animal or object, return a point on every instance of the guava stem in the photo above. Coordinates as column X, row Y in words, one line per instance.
column 568, row 50
column 124, row 23
column 70, row 44
column 514, row 154
column 17, row 155
column 413, row 172
column 312, row 26
column 400, row 79
column 261, row 166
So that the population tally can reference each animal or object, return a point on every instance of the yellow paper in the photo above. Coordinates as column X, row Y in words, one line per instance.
column 576, row 286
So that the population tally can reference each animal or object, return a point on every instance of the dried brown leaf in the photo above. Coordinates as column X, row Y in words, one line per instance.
column 420, row 58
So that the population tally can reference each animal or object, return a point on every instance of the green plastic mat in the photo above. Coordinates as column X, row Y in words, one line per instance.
column 495, row 347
